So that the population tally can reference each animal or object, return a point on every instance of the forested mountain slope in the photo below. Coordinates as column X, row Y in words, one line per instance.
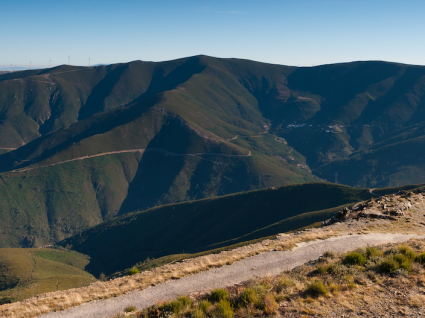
column 93, row 143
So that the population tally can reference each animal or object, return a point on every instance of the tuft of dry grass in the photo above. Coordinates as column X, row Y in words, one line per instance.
column 417, row 301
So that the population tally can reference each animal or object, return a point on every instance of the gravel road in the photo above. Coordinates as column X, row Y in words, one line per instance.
column 270, row 263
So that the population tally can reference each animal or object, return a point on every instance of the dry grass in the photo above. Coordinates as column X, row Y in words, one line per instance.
column 417, row 301
column 100, row 290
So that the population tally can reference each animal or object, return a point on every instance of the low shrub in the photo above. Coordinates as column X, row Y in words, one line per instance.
column 219, row 294
column 249, row 296
column 198, row 313
column 401, row 272
column 355, row 258
column 333, row 288
column 391, row 251
column 204, row 305
column 403, row 261
column 372, row 252
column 176, row 306
column 270, row 305
column 321, row 269
column 130, row 308
column 185, row 300
column 223, row 309
column 349, row 280
column 283, row 284
column 316, row 288
column 329, row 254
column 420, row 258
column 407, row 251
column 172, row 307
column 133, row 271
column 389, row 265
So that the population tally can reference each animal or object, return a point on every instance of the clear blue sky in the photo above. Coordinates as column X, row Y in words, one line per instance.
column 289, row 32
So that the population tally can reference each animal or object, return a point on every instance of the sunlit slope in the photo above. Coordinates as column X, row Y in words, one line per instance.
column 29, row 272
column 205, row 224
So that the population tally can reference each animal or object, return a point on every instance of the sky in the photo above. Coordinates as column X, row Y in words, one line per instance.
column 288, row 32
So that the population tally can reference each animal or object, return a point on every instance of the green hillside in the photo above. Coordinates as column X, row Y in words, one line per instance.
column 26, row 272
column 207, row 224
column 86, row 144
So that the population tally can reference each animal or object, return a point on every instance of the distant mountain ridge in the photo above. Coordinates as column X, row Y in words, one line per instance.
column 83, row 144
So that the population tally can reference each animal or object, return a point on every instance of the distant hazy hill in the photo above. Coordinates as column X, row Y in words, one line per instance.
column 201, row 225
column 108, row 140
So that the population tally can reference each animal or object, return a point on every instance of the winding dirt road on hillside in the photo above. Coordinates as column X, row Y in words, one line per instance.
column 166, row 152
column 269, row 263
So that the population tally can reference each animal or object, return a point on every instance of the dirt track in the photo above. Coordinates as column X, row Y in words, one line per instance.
column 270, row 263
column 168, row 153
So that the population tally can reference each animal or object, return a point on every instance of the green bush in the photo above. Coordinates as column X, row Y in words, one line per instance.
column 198, row 313
column 316, row 288
column 223, row 309
column 219, row 294
column 372, row 252
column 389, row 265
column 283, row 284
column 133, row 271
column 355, row 258
column 171, row 307
column 204, row 305
column 185, row 300
column 130, row 308
column 249, row 296
column 420, row 258
column 176, row 306
column 321, row 269
column 403, row 261
column 407, row 251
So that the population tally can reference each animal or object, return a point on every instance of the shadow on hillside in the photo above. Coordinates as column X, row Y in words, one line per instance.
column 158, row 168
column 162, row 82
column 96, row 101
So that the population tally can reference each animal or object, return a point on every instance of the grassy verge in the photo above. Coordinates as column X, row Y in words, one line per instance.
column 149, row 264
column 386, row 191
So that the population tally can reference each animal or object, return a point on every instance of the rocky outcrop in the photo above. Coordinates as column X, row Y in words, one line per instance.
column 388, row 207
